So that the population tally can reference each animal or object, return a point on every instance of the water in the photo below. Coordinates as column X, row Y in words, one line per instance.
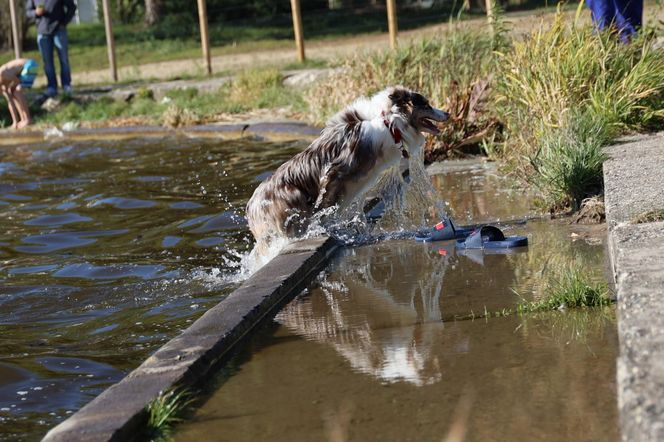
column 383, row 345
column 375, row 351
column 107, row 250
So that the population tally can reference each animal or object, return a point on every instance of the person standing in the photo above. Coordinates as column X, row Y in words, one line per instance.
column 52, row 18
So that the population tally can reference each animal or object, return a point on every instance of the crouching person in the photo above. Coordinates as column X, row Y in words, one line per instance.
column 15, row 76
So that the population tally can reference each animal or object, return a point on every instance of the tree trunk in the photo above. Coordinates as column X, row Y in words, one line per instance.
column 152, row 12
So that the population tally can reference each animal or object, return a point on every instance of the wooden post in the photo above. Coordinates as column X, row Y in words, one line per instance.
column 297, row 26
column 489, row 13
column 110, row 43
column 15, row 33
column 392, row 22
column 205, row 38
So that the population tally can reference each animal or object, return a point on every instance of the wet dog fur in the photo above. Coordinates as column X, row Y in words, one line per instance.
column 354, row 149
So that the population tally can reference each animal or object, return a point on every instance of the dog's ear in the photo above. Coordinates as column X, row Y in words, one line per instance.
column 401, row 97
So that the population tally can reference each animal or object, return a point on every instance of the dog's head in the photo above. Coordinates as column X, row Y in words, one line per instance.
column 415, row 109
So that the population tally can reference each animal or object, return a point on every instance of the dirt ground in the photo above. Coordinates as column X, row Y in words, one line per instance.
column 519, row 23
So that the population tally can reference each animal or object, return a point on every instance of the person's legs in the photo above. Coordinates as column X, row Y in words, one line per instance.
column 12, row 107
column 629, row 15
column 21, row 104
column 603, row 12
column 45, row 43
column 62, row 45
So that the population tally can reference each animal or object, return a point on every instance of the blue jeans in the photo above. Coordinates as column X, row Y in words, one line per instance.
column 624, row 15
column 46, row 43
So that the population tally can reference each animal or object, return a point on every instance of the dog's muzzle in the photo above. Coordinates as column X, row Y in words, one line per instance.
column 427, row 121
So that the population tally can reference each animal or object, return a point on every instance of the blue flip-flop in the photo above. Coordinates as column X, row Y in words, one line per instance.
column 442, row 231
column 490, row 237
column 376, row 211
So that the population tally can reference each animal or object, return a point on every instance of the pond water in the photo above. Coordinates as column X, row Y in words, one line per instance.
column 110, row 248
column 107, row 250
column 390, row 342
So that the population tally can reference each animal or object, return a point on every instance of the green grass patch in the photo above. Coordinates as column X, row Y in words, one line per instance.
column 566, row 288
column 570, row 288
column 166, row 410
column 567, row 167
column 651, row 216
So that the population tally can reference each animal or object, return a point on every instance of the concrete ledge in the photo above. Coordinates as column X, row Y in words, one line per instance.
column 272, row 131
column 186, row 360
column 634, row 183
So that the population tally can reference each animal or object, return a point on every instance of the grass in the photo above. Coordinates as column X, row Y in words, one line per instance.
column 567, row 288
column 250, row 90
column 458, row 56
column 566, row 92
column 567, row 167
column 650, row 216
column 166, row 410
column 178, row 36
column 570, row 288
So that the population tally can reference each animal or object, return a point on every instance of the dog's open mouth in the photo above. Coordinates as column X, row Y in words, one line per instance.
column 428, row 125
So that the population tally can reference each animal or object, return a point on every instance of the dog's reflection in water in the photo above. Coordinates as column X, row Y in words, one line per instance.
column 381, row 326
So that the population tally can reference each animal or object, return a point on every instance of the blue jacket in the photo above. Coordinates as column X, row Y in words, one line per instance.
column 58, row 13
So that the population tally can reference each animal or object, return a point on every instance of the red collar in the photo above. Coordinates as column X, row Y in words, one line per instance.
column 394, row 131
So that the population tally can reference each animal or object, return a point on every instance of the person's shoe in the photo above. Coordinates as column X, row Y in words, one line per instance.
column 68, row 90
column 50, row 93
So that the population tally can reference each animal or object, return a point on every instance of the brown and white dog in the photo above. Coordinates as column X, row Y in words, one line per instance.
column 356, row 146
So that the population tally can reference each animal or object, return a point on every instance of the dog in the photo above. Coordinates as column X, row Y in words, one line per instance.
column 354, row 149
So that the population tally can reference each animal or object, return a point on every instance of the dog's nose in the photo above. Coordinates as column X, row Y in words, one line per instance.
column 441, row 115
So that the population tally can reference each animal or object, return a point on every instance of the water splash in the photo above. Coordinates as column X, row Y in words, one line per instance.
column 410, row 205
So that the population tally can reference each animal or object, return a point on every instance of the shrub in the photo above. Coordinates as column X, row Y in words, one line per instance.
column 568, row 164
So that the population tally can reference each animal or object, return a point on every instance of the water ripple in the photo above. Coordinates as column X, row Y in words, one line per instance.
column 58, row 220
column 50, row 242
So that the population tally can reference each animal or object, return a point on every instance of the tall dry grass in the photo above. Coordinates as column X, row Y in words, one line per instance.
column 431, row 66
column 567, row 91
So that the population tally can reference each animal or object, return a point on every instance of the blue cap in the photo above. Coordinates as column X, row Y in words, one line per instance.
column 28, row 74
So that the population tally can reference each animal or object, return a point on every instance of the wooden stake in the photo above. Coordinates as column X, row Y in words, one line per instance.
column 110, row 42
column 489, row 13
column 392, row 22
column 14, row 19
column 297, row 26
column 205, row 38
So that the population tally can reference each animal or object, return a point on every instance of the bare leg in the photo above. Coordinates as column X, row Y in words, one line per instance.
column 12, row 108
column 22, row 108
